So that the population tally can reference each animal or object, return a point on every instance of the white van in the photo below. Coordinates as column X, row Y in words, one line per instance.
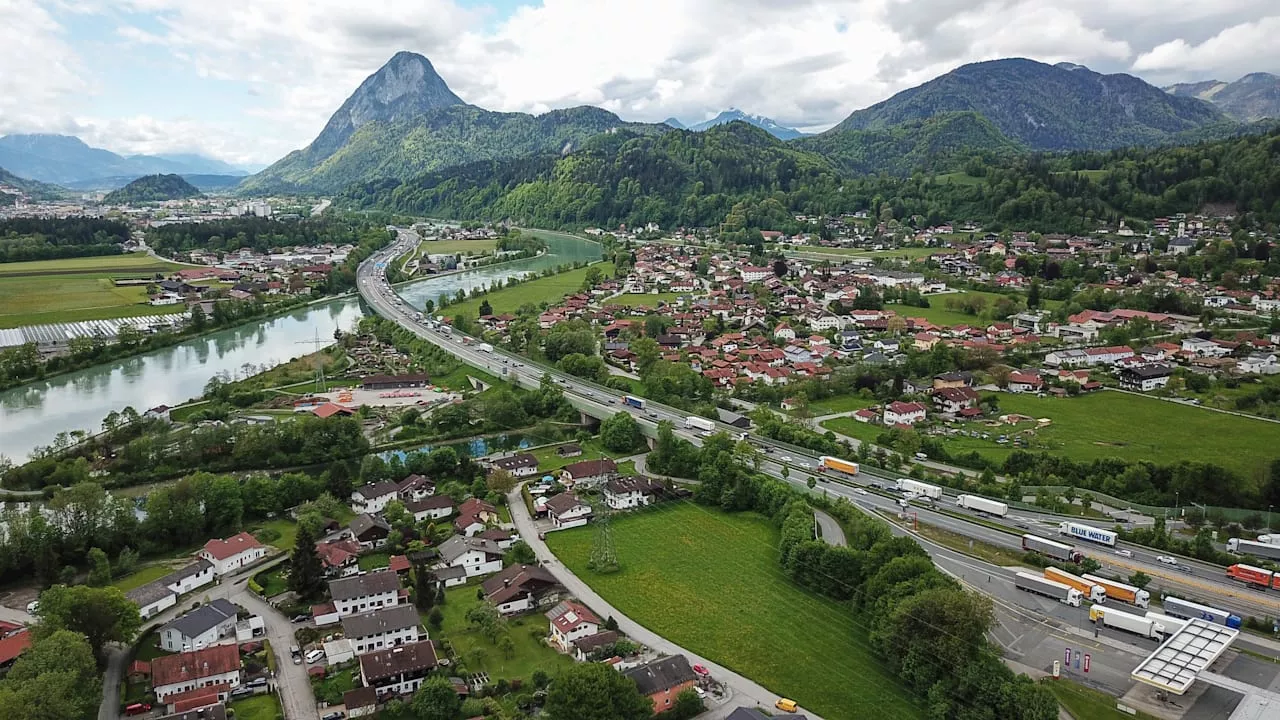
column 314, row 656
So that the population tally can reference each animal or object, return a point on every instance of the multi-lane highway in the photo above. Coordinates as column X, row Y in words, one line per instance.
column 1188, row 579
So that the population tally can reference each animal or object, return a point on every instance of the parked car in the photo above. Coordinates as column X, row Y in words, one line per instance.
column 301, row 618
column 1166, row 559
column 335, row 716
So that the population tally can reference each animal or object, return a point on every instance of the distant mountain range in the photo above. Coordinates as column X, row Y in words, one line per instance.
column 153, row 188
column 67, row 160
column 1253, row 97
column 1049, row 107
column 404, row 120
column 404, row 123
column 768, row 125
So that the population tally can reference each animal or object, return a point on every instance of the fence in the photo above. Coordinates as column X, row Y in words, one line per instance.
column 1231, row 514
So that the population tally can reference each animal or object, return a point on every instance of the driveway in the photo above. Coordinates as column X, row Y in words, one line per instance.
column 744, row 692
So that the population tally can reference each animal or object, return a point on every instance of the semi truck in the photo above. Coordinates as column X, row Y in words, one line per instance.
column 1255, row 548
column 915, row 487
column 1048, row 588
column 1050, row 548
column 827, row 462
column 1254, row 576
column 693, row 421
column 1135, row 624
column 1121, row 592
column 1088, row 532
column 981, row 504
column 633, row 401
column 1171, row 624
column 1094, row 592
column 485, row 347
column 1188, row 610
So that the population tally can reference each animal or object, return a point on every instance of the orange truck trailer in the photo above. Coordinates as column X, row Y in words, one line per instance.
column 1091, row 590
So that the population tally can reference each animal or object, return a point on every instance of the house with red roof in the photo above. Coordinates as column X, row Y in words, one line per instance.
column 233, row 553
column 1020, row 382
column 184, row 672
column 571, row 620
column 339, row 558
column 328, row 410
column 904, row 413
column 14, row 645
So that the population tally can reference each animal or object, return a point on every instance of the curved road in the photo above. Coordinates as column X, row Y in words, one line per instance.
column 744, row 691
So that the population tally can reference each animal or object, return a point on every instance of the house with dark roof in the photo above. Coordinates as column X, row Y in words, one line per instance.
column 588, row 472
column 172, row 674
column 415, row 487
column 630, row 492
column 365, row 592
column 583, row 647
column 750, row 713
column 518, row 465
column 382, row 628
column 373, row 498
column 436, row 507
column 520, row 588
column 662, row 680
column 360, row 702
column 216, row 711
column 398, row 670
column 207, row 625
column 566, row 511
column 152, row 599
column 371, row 531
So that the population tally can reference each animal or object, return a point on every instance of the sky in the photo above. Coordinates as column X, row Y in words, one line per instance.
column 247, row 81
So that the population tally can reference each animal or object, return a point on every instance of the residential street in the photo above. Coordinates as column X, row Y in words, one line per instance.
column 744, row 691
column 296, row 695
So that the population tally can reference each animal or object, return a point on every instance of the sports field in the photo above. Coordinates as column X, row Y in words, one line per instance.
column 710, row 581
column 51, row 291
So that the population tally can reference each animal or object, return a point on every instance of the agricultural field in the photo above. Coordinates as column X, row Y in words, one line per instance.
column 458, row 247
column 958, row 178
column 709, row 581
column 51, row 291
column 543, row 290
column 1113, row 424
column 939, row 314
column 839, row 404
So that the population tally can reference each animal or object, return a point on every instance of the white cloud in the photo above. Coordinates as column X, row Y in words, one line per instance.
column 41, row 73
column 1234, row 51
column 286, row 65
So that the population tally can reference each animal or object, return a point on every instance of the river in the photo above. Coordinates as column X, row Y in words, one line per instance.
column 33, row 414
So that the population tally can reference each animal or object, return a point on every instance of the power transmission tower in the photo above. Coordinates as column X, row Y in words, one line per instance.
column 604, row 553
column 318, row 345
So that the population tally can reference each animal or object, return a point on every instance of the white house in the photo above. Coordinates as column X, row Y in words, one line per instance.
column 1021, row 382
column 566, row 511
column 362, row 593
column 398, row 670
column 190, row 578
column 475, row 555
column 205, row 626
column 435, row 507
column 217, row 665
column 1260, row 364
column 152, row 599
column 904, row 413
column 630, row 492
column 373, row 498
column 1145, row 378
column 232, row 554
column 1204, row 348
column 383, row 628
column 518, row 465
column 569, row 621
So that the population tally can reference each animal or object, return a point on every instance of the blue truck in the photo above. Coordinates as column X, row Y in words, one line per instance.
column 633, row 401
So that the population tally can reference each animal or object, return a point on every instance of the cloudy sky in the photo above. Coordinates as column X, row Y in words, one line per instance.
column 249, row 80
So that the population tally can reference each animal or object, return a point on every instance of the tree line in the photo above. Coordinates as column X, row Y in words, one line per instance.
column 24, row 239
column 921, row 621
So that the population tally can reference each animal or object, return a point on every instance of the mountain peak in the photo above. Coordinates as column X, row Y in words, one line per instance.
column 406, row 86
column 764, row 123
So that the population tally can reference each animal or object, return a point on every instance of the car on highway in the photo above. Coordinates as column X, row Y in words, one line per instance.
column 860, row 491
column 1124, row 553
column 1022, row 526
column 1166, row 559
column 786, row 458
column 1186, row 569
column 339, row 715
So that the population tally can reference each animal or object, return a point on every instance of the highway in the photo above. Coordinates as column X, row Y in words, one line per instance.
column 1190, row 579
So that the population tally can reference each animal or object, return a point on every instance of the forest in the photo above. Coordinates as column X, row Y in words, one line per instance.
column 29, row 238
column 257, row 234
column 737, row 171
